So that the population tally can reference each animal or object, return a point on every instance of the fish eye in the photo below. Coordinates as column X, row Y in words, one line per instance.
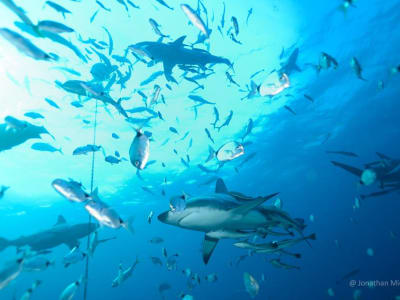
column 137, row 163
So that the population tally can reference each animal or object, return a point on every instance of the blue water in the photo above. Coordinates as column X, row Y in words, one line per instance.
column 348, row 114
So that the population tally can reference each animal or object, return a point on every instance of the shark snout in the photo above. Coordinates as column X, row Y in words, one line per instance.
column 163, row 217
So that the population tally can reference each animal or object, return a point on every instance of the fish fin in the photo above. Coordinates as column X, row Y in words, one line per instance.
column 128, row 225
column 179, row 41
column 72, row 244
column 209, row 245
column 348, row 168
column 245, row 208
column 168, row 66
column 220, row 187
column 60, row 220
column 297, row 68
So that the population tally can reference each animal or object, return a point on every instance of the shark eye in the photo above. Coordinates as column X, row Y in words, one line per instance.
column 137, row 163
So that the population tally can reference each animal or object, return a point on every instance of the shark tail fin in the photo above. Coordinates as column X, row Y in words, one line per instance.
column 209, row 245
column 3, row 244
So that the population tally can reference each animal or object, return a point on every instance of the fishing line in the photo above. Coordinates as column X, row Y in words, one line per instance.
column 90, row 217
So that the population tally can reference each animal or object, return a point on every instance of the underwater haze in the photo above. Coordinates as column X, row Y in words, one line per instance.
column 159, row 149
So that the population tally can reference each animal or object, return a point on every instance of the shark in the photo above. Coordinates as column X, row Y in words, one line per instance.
column 228, row 215
column 61, row 233
column 290, row 65
column 384, row 171
column 10, row 138
column 176, row 53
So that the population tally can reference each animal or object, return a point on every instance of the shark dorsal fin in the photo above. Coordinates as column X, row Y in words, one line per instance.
column 245, row 208
column 60, row 220
column 220, row 187
column 179, row 41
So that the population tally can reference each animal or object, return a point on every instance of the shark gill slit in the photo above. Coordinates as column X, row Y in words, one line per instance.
column 90, row 217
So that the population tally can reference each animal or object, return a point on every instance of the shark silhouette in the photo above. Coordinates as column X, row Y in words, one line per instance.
column 61, row 233
column 176, row 53
column 10, row 138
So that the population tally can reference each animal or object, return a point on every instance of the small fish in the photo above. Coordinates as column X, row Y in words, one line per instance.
column 71, row 190
column 195, row 19
column 235, row 25
column 290, row 110
column 309, row 98
column 256, row 73
column 234, row 39
column 115, row 136
column 83, row 150
column 162, row 2
column 348, row 275
column 76, row 104
column 223, row 16
column 156, row 28
column 156, row 240
column 356, row 66
column 230, row 79
column 345, row 153
column 58, row 8
column 173, row 130
column 102, row 6
column 249, row 129
column 110, row 41
column 209, row 135
column 33, row 115
column 251, row 285
column 150, row 217
column 24, row 45
column 200, row 100
column 53, row 27
column 164, row 252
column 93, row 16
column 227, row 121
column 156, row 260
column 216, row 113
column 73, row 257
column 51, row 103
column 249, row 13
column 139, row 150
column 112, row 159
column 276, row 262
column 69, row 292
column 45, row 148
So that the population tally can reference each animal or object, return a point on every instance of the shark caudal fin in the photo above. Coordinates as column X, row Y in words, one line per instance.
column 209, row 245
column 3, row 244
column 220, row 187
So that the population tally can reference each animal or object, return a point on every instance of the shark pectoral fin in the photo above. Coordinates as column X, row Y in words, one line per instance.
column 168, row 71
column 209, row 245
column 245, row 208
column 61, row 220
column 220, row 187
column 350, row 169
